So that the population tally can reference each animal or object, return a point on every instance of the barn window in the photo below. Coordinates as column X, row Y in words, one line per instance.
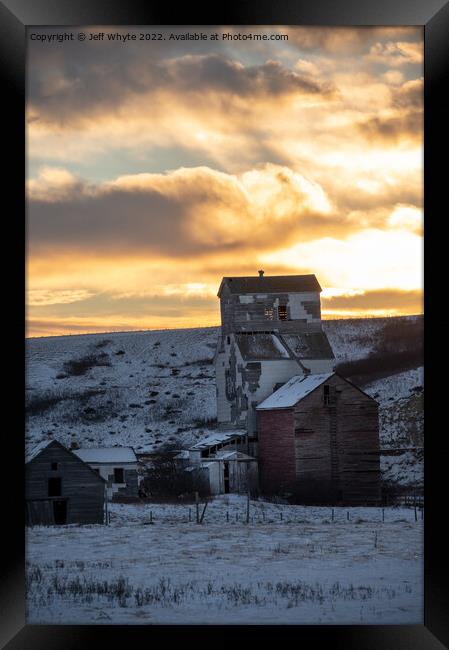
column 282, row 312
column 269, row 313
column 54, row 487
column 326, row 395
column 54, row 466
column 119, row 475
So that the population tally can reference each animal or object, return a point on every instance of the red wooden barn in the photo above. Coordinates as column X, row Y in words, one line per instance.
column 319, row 441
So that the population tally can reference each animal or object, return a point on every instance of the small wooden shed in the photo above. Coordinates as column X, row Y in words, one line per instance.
column 319, row 441
column 62, row 489
column 118, row 467
column 222, row 462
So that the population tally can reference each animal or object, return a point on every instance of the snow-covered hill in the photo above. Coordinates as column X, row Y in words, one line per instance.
column 146, row 389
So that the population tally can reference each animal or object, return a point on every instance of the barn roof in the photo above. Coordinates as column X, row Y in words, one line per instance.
column 41, row 446
column 32, row 453
column 293, row 391
column 271, row 284
column 106, row 454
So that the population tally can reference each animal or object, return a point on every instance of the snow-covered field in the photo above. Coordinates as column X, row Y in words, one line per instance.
column 146, row 389
column 290, row 564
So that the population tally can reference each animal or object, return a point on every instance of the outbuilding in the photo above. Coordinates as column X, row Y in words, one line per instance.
column 60, row 488
column 117, row 466
column 318, row 438
column 221, row 462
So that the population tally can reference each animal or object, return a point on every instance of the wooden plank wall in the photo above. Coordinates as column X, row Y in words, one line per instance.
column 80, row 485
column 353, row 419
column 320, row 452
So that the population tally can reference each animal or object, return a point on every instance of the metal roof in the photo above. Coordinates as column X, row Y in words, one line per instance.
column 293, row 391
column 217, row 438
column 271, row 284
column 232, row 455
column 106, row 454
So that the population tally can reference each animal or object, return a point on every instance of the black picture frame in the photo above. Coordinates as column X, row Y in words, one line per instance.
column 433, row 15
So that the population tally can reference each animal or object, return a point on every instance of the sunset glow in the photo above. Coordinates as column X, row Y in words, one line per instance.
column 157, row 168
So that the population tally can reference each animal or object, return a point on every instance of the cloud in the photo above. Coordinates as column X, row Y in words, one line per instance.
column 396, row 54
column 345, row 41
column 406, row 217
column 73, row 96
column 53, row 184
column 378, row 299
column 44, row 297
column 394, row 129
column 410, row 94
column 365, row 260
column 185, row 212
column 156, row 170
column 104, row 311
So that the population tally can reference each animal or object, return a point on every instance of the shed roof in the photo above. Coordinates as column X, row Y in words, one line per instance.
column 218, row 438
column 233, row 455
column 293, row 391
column 106, row 454
column 259, row 345
column 271, row 284
column 309, row 345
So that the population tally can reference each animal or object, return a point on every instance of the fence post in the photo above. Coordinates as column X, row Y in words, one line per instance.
column 197, row 506
column 333, row 514
column 202, row 514
column 383, row 514
column 190, row 514
column 247, row 507
column 347, row 515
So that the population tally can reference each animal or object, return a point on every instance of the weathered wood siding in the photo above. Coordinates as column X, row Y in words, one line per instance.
column 82, row 488
column 334, row 447
column 247, row 311
column 276, row 450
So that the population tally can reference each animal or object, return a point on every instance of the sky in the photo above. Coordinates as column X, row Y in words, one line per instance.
column 156, row 167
